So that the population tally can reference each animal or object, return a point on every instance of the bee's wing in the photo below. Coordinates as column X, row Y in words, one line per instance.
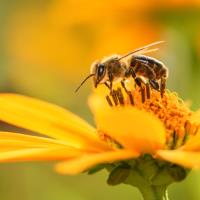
column 143, row 50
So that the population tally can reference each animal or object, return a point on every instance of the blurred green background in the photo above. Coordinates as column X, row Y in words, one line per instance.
column 46, row 48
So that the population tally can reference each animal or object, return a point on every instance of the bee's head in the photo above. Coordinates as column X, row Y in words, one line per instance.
column 99, row 71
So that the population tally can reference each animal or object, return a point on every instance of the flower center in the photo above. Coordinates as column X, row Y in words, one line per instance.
column 169, row 108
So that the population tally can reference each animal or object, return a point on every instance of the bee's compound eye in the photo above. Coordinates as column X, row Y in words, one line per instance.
column 100, row 70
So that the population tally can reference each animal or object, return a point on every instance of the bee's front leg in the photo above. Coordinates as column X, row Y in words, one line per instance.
column 107, row 85
column 110, row 77
column 111, row 94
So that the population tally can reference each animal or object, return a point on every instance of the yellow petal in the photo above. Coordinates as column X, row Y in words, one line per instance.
column 39, row 154
column 80, row 164
column 193, row 144
column 19, row 139
column 48, row 119
column 133, row 128
column 186, row 159
column 195, row 117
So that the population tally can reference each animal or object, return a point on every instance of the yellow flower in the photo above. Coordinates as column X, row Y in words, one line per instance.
column 164, row 127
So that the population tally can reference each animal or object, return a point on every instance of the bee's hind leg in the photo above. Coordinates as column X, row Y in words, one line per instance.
column 162, row 86
column 141, row 84
column 154, row 84
column 138, row 81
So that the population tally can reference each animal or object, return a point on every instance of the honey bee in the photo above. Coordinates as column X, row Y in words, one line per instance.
column 134, row 64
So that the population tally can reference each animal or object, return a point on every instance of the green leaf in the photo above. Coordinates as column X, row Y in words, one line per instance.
column 118, row 175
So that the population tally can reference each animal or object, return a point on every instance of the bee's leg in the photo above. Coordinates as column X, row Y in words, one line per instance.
column 109, row 101
column 141, row 84
column 107, row 97
column 148, row 91
column 148, row 71
column 130, row 72
column 120, row 96
column 162, row 86
column 110, row 77
column 138, row 81
column 124, row 87
column 145, row 87
column 128, row 92
column 113, row 94
column 154, row 84
column 111, row 88
column 107, row 85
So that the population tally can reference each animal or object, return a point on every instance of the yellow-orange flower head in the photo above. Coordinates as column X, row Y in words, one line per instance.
column 141, row 138
column 170, row 110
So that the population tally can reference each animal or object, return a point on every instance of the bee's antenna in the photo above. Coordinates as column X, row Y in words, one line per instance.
column 84, row 82
column 140, row 49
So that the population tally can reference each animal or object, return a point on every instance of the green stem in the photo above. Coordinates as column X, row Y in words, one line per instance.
column 154, row 193
column 149, row 191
